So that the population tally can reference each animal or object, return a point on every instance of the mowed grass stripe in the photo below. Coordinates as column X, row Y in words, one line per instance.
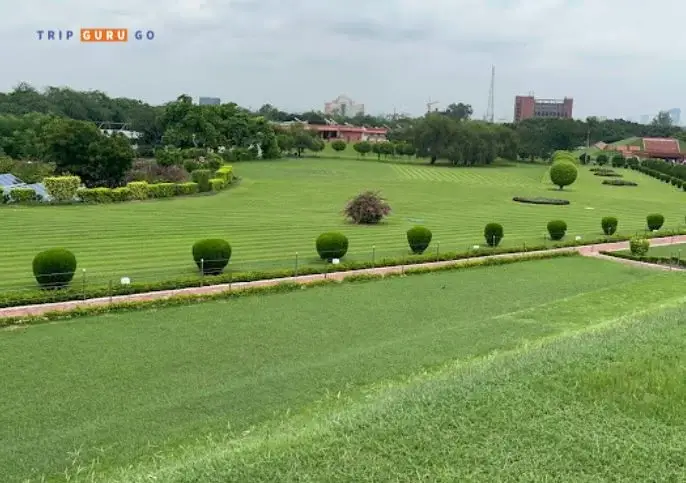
column 279, row 209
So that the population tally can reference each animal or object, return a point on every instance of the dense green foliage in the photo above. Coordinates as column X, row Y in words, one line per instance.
column 557, row 229
column 339, row 145
column 54, row 268
column 655, row 221
column 493, row 233
column 367, row 208
column 609, row 225
column 202, row 178
column 563, row 173
column 62, row 188
column 331, row 245
column 211, row 255
column 639, row 246
column 419, row 239
column 619, row 182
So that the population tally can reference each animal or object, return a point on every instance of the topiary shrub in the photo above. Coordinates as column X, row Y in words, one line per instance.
column 54, row 268
column 211, row 255
column 557, row 229
column 23, row 195
column 202, row 177
column 607, row 173
column 217, row 184
column 655, row 221
column 367, row 208
column 493, row 232
column 619, row 182
column 331, row 245
column 419, row 238
column 639, row 246
column 339, row 145
column 62, row 188
column 225, row 173
column 563, row 173
column 609, row 225
column 121, row 194
column 140, row 190
column 601, row 159
column 618, row 161
column 185, row 189
column 540, row 200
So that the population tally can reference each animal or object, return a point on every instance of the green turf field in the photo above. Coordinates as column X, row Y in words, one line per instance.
column 270, row 376
column 280, row 207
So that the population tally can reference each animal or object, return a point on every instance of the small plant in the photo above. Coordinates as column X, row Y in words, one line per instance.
column 639, row 246
column 211, row 255
column 493, row 232
column 655, row 221
column 367, row 208
column 563, row 173
column 419, row 238
column 557, row 229
column 54, row 268
column 331, row 245
column 609, row 225
column 339, row 145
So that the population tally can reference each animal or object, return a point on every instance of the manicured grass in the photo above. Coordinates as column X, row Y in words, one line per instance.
column 605, row 405
column 667, row 251
column 123, row 388
column 280, row 207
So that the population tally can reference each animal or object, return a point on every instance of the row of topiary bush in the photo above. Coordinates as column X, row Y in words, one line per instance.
column 64, row 189
column 664, row 177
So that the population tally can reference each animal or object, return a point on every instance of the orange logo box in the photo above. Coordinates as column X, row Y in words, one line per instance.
column 104, row 35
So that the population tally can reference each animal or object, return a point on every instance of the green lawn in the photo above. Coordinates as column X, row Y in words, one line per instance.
column 101, row 392
column 280, row 207
column 676, row 250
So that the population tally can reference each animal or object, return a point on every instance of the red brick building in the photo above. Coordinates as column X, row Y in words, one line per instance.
column 332, row 132
column 661, row 148
column 527, row 107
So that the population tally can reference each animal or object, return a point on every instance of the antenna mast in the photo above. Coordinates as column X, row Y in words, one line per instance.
column 430, row 104
column 490, row 111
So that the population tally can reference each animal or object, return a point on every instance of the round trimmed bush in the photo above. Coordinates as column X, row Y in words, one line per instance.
column 538, row 200
column 557, row 229
column 493, row 232
column 54, row 268
column 367, row 208
column 639, row 246
column 419, row 238
column 609, row 225
column 563, row 173
column 331, row 245
column 212, row 255
column 655, row 221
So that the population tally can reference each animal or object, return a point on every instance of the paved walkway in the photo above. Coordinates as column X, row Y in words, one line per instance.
column 587, row 250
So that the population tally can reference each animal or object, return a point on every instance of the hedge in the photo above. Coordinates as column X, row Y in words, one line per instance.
column 282, row 287
column 62, row 188
column 23, row 195
column 225, row 173
column 137, row 190
column 8, row 299
column 217, row 184
column 671, row 261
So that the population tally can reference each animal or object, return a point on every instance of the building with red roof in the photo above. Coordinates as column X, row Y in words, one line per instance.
column 660, row 148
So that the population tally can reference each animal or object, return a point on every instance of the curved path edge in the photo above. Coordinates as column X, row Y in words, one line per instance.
column 585, row 250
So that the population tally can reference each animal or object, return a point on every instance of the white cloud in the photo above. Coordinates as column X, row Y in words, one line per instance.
column 614, row 57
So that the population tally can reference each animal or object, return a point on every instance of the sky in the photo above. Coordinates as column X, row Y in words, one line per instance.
column 616, row 58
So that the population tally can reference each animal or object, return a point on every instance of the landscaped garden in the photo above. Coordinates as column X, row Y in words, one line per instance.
column 444, row 374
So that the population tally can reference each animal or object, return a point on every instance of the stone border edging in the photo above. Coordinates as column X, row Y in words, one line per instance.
column 584, row 250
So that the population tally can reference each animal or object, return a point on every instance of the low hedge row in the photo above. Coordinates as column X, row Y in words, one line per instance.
column 665, row 178
column 14, row 299
column 283, row 287
column 671, row 261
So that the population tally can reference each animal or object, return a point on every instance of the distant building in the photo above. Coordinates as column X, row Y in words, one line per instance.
column 343, row 106
column 675, row 116
column 209, row 101
column 344, row 132
column 662, row 148
column 527, row 107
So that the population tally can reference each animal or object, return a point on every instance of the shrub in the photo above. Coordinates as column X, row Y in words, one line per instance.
column 212, row 161
column 225, row 173
column 331, row 245
column 619, row 182
column 367, row 208
column 148, row 170
column 639, row 246
column 540, row 200
column 607, row 172
column 493, row 232
column 217, row 184
column 609, row 225
column 419, row 238
column 563, row 173
column 655, row 221
column 23, row 195
column 169, row 156
column 557, row 229
column 103, row 195
column 191, row 165
column 54, row 268
column 211, row 255
column 202, row 177
column 363, row 147
column 601, row 159
column 584, row 158
column 87, row 195
column 62, row 188
column 121, row 194
column 339, row 145
column 618, row 161
column 633, row 162
column 185, row 189
column 140, row 190
column 162, row 190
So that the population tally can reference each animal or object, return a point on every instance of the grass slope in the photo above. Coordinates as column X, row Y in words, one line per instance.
column 281, row 206
column 128, row 387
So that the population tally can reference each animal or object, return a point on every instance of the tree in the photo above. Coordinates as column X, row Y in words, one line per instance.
column 339, row 145
column 362, row 148
column 459, row 111
column 601, row 159
column 663, row 119
column 563, row 173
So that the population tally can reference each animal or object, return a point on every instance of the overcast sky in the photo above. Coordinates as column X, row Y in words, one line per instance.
column 616, row 58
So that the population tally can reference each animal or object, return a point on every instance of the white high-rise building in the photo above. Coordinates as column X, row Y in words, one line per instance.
column 343, row 106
